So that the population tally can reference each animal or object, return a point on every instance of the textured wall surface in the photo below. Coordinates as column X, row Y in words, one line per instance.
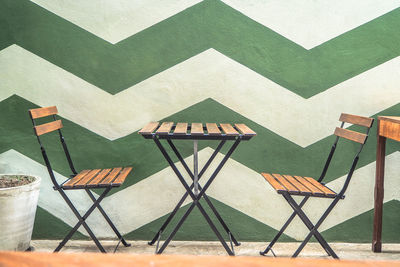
column 285, row 68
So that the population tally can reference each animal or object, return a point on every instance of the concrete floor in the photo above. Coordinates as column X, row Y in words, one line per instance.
column 349, row 251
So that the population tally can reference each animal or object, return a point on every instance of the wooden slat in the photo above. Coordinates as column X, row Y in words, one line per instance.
column 358, row 120
column 246, row 131
column 297, row 184
column 351, row 135
column 228, row 129
column 314, row 190
column 181, row 128
column 79, row 259
column 111, row 176
column 321, row 187
column 122, row 175
column 197, row 129
column 48, row 127
column 43, row 112
column 273, row 182
column 99, row 177
column 291, row 188
column 76, row 179
column 149, row 128
column 87, row 178
column 212, row 129
column 389, row 129
column 165, row 128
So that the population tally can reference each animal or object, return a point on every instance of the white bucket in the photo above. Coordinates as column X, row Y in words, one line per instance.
column 17, row 214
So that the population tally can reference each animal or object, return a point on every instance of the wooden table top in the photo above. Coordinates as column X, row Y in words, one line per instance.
column 38, row 259
column 395, row 119
column 197, row 130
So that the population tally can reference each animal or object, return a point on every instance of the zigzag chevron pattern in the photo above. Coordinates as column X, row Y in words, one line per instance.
column 114, row 21
column 286, row 69
column 117, row 20
column 166, row 187
column 208, row 75
column 311, row 23
column 116, row 67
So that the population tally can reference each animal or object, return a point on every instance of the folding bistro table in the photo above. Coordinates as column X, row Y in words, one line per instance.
column 196, row 131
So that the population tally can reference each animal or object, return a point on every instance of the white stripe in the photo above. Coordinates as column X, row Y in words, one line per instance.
column 310, row 23
column 237, row 186
column 207, row 75
column 115, row 20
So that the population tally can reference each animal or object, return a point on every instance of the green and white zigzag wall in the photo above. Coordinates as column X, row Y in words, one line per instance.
column 285, row 68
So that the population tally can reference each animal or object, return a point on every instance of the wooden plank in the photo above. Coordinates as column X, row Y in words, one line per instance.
column 351, row 135
column 274, row 183
column 76, row 179
column 197, row 129
column 314, row 190
column 78, row 259
column 389, row 129
column 212, row 129
column 82, row 182
column 149, row 128
column 358, row 120
column 95, row 181
column 181, row 128
column 122, row 176
column 395, row 119
column 43, row 112
column 165, row 128
column 111, row 176
column 48, row 127
column 246, row 131
column 290, row 188
column 298, row 185
column 228, row 129
column 321, row 187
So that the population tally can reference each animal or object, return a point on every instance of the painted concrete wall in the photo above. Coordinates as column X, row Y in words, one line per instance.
column 285, row 68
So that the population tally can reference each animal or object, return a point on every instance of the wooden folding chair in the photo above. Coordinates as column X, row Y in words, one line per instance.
column 85, row 180
column 288, row 185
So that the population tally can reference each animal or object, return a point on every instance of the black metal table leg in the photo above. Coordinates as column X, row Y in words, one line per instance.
column 194, row 197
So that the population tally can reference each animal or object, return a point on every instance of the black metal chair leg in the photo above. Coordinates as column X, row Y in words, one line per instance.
column 82, row 220
column 313, row 228
column 108, row 220
column 278, row 235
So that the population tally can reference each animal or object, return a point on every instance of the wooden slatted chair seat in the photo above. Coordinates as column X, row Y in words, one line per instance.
column 298, row 185
column 98, row 178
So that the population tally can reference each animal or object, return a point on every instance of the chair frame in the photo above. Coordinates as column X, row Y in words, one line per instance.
column 52, row 111
column 297, row 208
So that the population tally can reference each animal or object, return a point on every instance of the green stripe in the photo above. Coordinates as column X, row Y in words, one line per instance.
column 265, row 152
column 243, row 227
column 359, row 228
column 209, row 24
column 48, row 226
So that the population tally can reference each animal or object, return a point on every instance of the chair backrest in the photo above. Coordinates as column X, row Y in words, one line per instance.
column 54, row 125
column 354, row 136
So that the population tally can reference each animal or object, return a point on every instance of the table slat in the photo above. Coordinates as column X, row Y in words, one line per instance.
column 181, row 128
column 197, row 129
column 212, row 129
column 244, row 129
column 228, row 129
column 149, row 128
column 165, row 128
